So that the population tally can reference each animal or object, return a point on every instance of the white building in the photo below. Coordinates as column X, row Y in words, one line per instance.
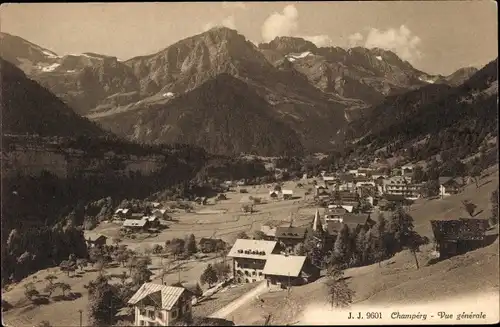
column 160, row 305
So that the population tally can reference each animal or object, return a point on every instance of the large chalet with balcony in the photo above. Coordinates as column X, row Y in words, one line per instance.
column 288, row 237
column 453, row 237
column 160, row 305
column 249, row 259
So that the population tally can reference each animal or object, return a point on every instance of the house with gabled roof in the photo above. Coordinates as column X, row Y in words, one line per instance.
column 448, row 186
column 453, row 237
column 353, row 221
column 122, row 213
column 161, row 305
column 136, row 224
column 290, row 236
column 249, row 258
column 284, row 270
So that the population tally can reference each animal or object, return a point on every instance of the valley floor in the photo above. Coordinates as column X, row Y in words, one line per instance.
column 396, row 281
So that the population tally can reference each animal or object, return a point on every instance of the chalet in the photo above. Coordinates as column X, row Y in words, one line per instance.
column 160, row 305
column 161, row 214
column 363, row 181
column 321, row 190
column 284, row 270
column 329, row 180
column 153, row 221
column 96, row 241
column 269, row 231
column 401, row 185
column 290, row 236
column 455, row 237
column 448, row 186
column 346, row 183
column 122, row 213
column 334, row 213
column 136, row 216
column 287, row 194
column 136, row 224
column 347, row 197
column 208, row 245
column 273, row 195
column 353, row 221
column 249, row 259
column 407, row 170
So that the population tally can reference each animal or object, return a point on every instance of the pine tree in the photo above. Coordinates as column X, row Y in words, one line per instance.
column 339, row 293
column 401, row 224
column 379, row 233
column 341, row 248
column 367, row 256
column 190, row 245
column 360, row 246
column 494, row 207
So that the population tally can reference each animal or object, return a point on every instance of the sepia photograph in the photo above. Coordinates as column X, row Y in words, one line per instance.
column 249, row 163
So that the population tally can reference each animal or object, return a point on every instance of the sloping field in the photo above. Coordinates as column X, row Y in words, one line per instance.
column 397, row 281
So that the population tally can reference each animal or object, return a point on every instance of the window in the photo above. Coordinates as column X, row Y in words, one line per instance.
column 151, row 314
column 141, row 323
column 174, row 314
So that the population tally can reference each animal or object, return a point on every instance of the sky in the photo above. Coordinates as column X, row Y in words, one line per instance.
column 437, row 37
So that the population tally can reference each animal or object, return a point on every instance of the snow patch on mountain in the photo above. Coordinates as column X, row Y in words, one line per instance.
column 50, row 54
column 300, row 55
column 379, row 58
column 291, row 59
column 168, row 94
column 50, row 68
column 423, row 79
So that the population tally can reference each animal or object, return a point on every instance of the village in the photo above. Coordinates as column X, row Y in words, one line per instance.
column 208, row 257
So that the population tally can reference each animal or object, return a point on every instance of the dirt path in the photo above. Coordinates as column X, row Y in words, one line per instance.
column 231, row 307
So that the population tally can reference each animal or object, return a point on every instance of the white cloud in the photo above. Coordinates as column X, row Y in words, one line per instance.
column 234, row 5
column 228, row 22
column 319, row 40
column 400, row 41
column 286, row 23
column 355, row 39
column 281, row 24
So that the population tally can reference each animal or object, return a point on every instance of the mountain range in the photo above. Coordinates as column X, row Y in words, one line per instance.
column 218, row 90
column 28, row 108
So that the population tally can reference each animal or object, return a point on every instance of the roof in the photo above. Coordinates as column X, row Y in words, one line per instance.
column 283, row 265
column 162, row 211
column 348, row 208
column 169, row 294
column 150, row 218
column 252, row 249
column 134, row 223
column 289, row 192
column 461, row 229
column 447, row 181
column 269, row 231
column 291, row 232
column 351, row 220
column 328, row 178
column 122, row 210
